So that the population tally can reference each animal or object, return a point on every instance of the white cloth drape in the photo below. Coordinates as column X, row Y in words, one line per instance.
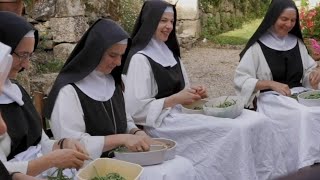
column 222, row 149
column 298, row 129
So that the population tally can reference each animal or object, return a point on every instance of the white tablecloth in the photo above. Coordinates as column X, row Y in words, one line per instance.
column 297, row 129
column 220, row 148
column 178, row 168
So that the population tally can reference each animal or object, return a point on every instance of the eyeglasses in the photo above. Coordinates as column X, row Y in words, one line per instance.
column 23, row 55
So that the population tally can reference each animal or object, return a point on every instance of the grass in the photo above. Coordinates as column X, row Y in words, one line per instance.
column 237, row 36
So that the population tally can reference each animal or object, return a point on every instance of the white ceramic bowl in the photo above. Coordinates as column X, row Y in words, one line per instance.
column 309, row 102
column 194, row 108
column 155, row 155
column 103, row 166
column 210, row 108
column 171, row 147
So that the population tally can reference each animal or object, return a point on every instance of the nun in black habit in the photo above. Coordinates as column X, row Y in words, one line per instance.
column 25, row 147
column 274, row 65
column 275, row 58
column 5, row 65
column 86, row 101
column 156, row 86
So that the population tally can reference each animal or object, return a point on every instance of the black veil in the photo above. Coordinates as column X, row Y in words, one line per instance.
column 145, row 27
column 86, row 57
column 274, row 11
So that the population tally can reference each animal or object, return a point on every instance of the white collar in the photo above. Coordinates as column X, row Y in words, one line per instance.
column 97, row 86
column 271, row 40
column 11, row 93
column 160, row 53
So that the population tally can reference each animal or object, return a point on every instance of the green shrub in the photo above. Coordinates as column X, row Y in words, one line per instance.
column 129, row 11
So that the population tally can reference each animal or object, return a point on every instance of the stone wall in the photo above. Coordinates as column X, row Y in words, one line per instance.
column 61, row 23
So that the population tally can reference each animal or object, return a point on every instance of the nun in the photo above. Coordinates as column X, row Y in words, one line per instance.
column 86, row 101
column 25, row 147
column 5, row 65
column 156, row 87
column 274, row 65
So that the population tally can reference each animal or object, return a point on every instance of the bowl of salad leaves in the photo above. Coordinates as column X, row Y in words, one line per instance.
column 110, row 169
column 224, row 107
column 310, row 98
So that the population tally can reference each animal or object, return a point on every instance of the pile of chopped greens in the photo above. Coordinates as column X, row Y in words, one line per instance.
column 197, row 108
column 109, row 176
column 313, row 96
column 226, row 103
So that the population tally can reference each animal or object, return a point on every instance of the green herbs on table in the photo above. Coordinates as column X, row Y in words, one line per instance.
column 197, row 108
column 295, row 96
column 313, row 96
column 59, row 176
column 226, row 103
column 109, row 176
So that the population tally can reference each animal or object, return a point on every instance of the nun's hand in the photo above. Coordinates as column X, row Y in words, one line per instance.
column 66, row 158
column 314, row 78
column 187, row 96
column 280, row 88
column 137, row 143
column 75, row 145
column 201, row 91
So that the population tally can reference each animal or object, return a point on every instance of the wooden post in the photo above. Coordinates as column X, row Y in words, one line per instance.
column 39, row 105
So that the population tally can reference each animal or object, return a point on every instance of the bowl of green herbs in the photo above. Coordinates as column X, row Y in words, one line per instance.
column 110, row 169
column 224, row 107
column 310, row 98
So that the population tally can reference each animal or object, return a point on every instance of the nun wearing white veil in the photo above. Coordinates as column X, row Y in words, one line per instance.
column 274, row 65
column 156, row 86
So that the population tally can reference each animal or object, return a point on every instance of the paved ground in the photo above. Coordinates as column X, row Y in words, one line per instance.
column 212, row 67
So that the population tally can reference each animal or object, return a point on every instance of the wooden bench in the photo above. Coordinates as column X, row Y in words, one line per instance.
column 39, row 100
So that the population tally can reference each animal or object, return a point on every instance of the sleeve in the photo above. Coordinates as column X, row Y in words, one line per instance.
column 21, row 166
column 245, row 78
column 308, row 65
column 46, row 143
column 67, row 122
column 140, row 91
column 130, row 124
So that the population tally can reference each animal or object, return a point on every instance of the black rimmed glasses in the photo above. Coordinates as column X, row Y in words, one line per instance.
column 23, row 55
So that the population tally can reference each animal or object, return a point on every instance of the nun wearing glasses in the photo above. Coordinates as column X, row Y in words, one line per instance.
column 5, row 65
column 86, row 101
column 25, row 148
